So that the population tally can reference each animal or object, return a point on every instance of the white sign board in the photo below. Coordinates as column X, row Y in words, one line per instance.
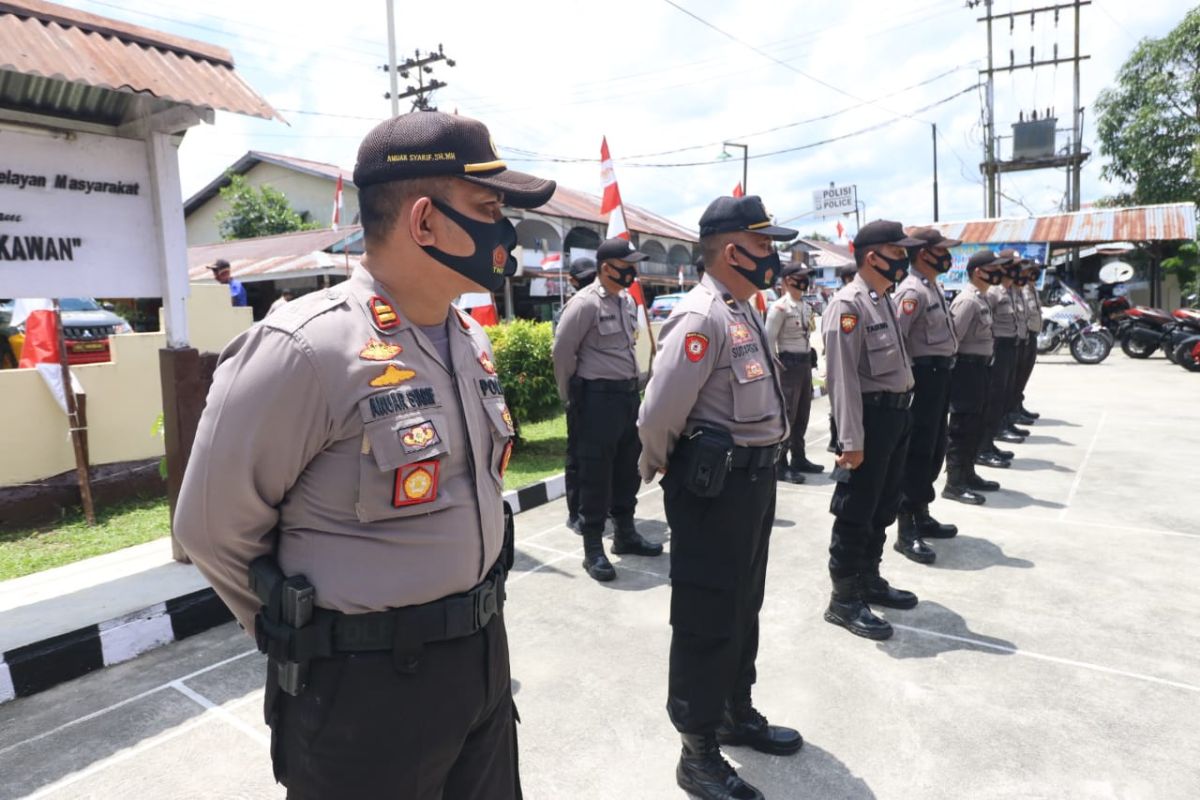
column 835, row 200
column 76, row 217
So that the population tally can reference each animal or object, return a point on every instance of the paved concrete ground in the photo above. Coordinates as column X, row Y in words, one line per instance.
column 1054, row 653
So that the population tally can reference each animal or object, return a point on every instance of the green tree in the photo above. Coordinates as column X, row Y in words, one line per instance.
column 1149, row 123
column 264, row 211
column 1185, row 265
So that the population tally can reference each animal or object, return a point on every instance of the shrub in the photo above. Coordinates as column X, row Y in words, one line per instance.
column 525, row 364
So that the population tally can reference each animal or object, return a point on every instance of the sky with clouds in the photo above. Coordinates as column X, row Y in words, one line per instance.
column 550, row 77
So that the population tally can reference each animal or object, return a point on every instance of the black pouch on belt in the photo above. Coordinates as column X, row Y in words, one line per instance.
column 704, row 458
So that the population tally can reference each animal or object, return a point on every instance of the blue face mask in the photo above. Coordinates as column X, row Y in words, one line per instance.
column 492, row 260
column 765, row 268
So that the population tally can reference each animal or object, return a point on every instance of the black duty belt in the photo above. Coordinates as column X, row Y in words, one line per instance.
column 1005, row 341
column 974, row 358
column 794, row 357
column 598, row 385
column 933, row 361
column 451, row 617
column 899, row 400
column 754, row 457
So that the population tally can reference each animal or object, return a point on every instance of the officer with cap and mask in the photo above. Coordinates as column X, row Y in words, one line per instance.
column 870, row 386
column 789, row 323
column 924, row 319
column 355, row 441
column 845, row 275
column 1003, row 370
column 711, row 424
column 581, row 274
column 1011, row 415
column 972, row 316
column 595, row 366
column 1027, row 282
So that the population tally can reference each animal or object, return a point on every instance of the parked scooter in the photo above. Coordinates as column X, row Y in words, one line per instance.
column 1187, row 354
column 1071, row 322
column 1184, row 343
column 1144, row 330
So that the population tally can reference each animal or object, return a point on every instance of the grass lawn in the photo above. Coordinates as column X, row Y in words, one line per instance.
column 32, row 550
column 540, row 455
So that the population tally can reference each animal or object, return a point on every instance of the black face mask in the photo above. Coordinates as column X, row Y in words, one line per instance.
column 492, row 260
column 995, row 278
column 897, row 267
column 943, row 263
column 625, row 277
column 799, row 285
column 765, row 268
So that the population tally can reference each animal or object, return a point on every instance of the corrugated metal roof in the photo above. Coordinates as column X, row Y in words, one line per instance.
column 247, row 162
column 574, row 204
column 1170, row 222
column 60, row 61
column 825, row 254
column 274, row 257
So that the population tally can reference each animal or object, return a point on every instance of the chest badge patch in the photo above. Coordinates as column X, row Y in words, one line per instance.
column 485, row 361
column 739, row 333
column 383, row 313
column 393, row 376
column 376, row 350
column 754, row 369
column 416, row 483
column 506, row 415
column 909, row 306
column 849, row 322
column 419, row 437
column 695, row 345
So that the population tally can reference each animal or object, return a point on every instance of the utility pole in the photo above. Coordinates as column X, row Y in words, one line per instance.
column 390, row 67
column 419, row 64
column 935, row 186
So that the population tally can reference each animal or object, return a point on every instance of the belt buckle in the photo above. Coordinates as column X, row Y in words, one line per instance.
column 486, row 605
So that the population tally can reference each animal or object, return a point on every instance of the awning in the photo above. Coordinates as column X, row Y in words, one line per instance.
column 1162, row 223
column 289, row 255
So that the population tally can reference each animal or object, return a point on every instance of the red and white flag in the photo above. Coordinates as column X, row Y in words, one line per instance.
column 481, row 306
column 552, row 262
column 41, row 331
column 337, row 204
column 738, row 191
column 610, row 202
column 841, row 229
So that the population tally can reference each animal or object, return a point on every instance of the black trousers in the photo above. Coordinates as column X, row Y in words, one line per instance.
column 607, row 448
column 571, row 467
column 1020, row 355
column 1000, row 388
column 968, row 397
column 362, row 728
column 718, row 577
column 1025, row 361
column 865, row 504
column 927, row 444
column 796, row 381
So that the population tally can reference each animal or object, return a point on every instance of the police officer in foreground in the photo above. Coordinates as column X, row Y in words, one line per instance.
column 711, row 424
column 789, row 323
column 1011, row 417
column 351, row 459
column 870, row 388
column 972, row 316
column 581, row 274
column 595, row 366
column 924, row 318
column 1033, row 319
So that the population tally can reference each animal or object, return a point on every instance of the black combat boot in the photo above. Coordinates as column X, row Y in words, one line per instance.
column 573, row 524
column 877, row 591
column 847, row 609
column 627, row 540
column 594, row 560
column 909, row 543
column 1007, row 455
column 930, row 528
column 958, row 489
column 704, row 772
column 992, row 460
column 979, row 484
column 1021, row 418
column 786, row 474
column 1011, row 427
column 744, row 725
column 1010, row 436
column 802, row 464
column 1027, row 412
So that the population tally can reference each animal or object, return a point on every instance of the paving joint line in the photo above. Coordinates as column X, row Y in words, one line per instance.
column 223, row 713
column 1087, row 456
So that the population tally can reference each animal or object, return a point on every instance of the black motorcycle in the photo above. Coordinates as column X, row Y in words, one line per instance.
column 1144, row 330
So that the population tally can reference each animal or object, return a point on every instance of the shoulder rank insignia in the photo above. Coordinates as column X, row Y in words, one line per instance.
column 739, row 332
column 695, row 345
column 419, row 437
column 849, row 322
column 754, row 369
column 416, row 483
column 508, row 448
column 385, row 316
column 485, row 361
column 908, row 305
column 729, row 301
column 393, row 376
column 379, row 351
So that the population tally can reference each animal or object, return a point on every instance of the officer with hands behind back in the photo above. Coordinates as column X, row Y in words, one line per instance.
column 712, row 422
column 581, row 273
column 870, row 385
column 355, row 441
column 789, row 323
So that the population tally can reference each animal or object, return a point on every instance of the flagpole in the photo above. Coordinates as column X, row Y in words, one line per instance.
column 74, row 421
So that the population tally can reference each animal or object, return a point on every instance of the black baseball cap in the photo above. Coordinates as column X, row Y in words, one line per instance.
column 884, row 231
column 219, row 265
column 932, row 237
column 732, row 214
column 618, row 249
column 794, row 269
column 427, row 144
column 582, row 267
column 983, row 259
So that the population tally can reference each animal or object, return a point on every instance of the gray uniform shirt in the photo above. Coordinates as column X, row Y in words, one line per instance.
column 1020, row 312
column 1004, row 316
column 713, row 367
column 924, row 317
column 972, row 322
column 788, row 324
column 1033, row 307
column 864, row 352
column 336, row 437
column 596, row 338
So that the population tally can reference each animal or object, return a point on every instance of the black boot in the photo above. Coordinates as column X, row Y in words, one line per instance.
column 909, row 543
column 847, row 609
column 1028, row 413
column 1012, row 428
column 981, row 484
column 594, row 560
column 1007, row 455
column 1010, row 436
column 802, row 464
column 1019, row 418
column 786, row 474
column 930, row 528
column 743, row 725
column 992, row 460
column 627, row 540
column 879, row 592
column 573, row 523
column 959, row 490
column 703, row 771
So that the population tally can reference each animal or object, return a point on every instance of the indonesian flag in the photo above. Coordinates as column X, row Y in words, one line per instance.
column 337, row 203
column 841, row 229
column 738, row 191
column 552, row 262
column 610, row 203
column 41, row 332
column 643, row 319
column 481, row 306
